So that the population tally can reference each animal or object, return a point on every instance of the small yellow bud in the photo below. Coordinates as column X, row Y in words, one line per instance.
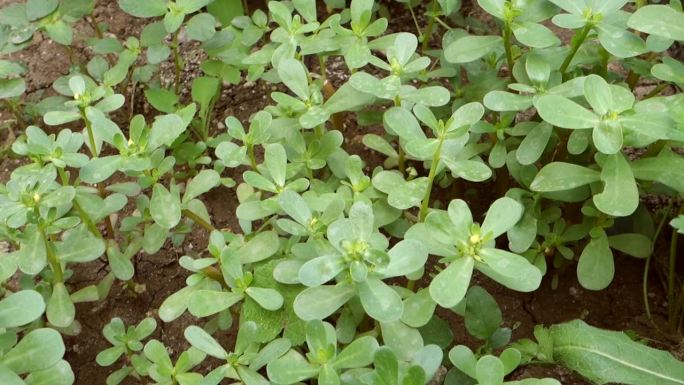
column 77, row 96
column 130, row 142
column 475, row 238
column 36, row 197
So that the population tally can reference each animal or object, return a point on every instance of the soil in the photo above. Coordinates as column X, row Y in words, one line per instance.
column 620, row 307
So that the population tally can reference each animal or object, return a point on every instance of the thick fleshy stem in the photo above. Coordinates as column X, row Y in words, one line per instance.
column 425, row 205
column 577, row 40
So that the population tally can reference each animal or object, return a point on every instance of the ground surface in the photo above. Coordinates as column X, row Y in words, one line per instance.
column 620, row 307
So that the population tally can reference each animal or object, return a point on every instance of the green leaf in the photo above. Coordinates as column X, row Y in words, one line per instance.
column 59, row 374
column 165, row 207
column 502, row 215
column 261, row 247
column 165, row 129
column 620, row 196
column 204, row 303
column 482, row 316
column 380, row 301
column 267, row 298
column 659, row 20
column 201, row 27
column 667, row 169
column 291, row 368
column 21, row 308
column 39, row 349
column 60, row 32
column 321, row 301
column 560, row 176
column 493, row 7
column 449, row 286
column 60, row 309
column 489, row 371
column 11, row 88
column 203, row 341
column 275, row 160
column 595, row 269
column 535, row 35
column 533, row 145
column 293, row 74
column 612, row 357
column 80, row 245
column 200, row 184
column 418, row 308
column 357, row 354
column 470, row 48
column 139, row 8
column 162, row 99
column 320, row 270
column 401, row 122
column 563, row 112
column 404, row 341
column 598, row 94
column 607, row 136
column 37, row 9
column 636, row 245
column 511, row 270
column 507, row 101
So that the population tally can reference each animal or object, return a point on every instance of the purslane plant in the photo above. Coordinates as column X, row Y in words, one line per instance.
column 342, row 268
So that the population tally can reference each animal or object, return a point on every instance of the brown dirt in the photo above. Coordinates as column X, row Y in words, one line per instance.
column 619, row 307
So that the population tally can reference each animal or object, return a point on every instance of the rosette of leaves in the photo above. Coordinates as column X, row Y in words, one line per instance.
column 353, row 41
column 311, row 214
column 309, row 109
column 607, row 19
column 215, row 290
column 174, row 12
column 35, row 357
column 164, row 371
column 126, row 342
column 233, row 155
column 322, row 361
column 402, row 68
column 523, row 19
column 615, row 121
column 35, row 203
column 465, row 246
column 243, row 365
column 535, row 78
column 53, row 17
column 90, row 103
column 356, row 258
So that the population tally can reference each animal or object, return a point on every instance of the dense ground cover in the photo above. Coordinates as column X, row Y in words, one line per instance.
column 359, row 193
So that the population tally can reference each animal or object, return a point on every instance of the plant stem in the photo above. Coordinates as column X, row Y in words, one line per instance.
column 197, row 219
column 81, row 213
column 415, row 21
column 216, row 275
column 96, row 27
column 431, row 178
column 507, row 34
column 55, row 265
column 428, row 30
column 672, row 266
column 176, row 61
column 252, row 157
column 657, row 90
column 647, row 266
column 323, row 68
column 16, row 111
column 91, row 136
column 577, row 40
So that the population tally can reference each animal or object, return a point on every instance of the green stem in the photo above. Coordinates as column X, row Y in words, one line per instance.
column 91, row 135
column 431, row 178
column 197, row 219
column 319, row 130
column 252, row 157
column 415, row 21
column 428, row 30
column 672, row 266
column 323, row 68
column 577, row 40
column 507, row 34
column 656, row 91
column 647, row 266
column 176, row 61
column 81, row 213
column 53, row 261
